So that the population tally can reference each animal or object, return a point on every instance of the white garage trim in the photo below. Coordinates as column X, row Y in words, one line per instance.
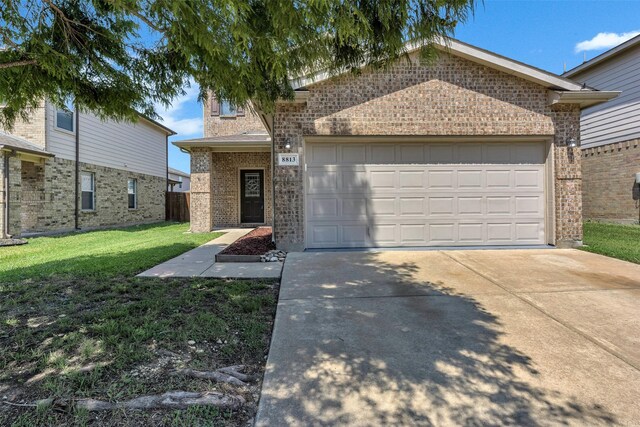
column 397, row 191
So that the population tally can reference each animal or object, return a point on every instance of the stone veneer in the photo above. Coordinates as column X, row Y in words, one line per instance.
column 451, row 97
column 215, row 187
column 609, row 191
column 53, row 210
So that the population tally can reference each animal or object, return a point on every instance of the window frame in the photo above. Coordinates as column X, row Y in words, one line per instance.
column 226, row 105
column 67, row 110
column 93, row 192
column 135, row 194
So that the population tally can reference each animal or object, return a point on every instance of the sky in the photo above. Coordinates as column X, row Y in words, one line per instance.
column 544, row 33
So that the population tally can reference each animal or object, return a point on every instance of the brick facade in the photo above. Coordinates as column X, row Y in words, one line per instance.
column 223, row 126
column 452, row 97
column 609, row 189
column 42, row 197
column 32, row 129
column 215, row 187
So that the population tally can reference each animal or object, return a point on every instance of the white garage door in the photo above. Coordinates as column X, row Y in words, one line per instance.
column 424, row 194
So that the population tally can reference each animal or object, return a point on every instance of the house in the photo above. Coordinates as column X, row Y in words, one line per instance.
column 179, row 181
column 63, row 170
column 474, row 149
column 610, row 135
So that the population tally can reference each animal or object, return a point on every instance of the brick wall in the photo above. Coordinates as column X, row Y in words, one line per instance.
column 609, row 191
column 452, row 97
column 225, row 185
column 215, row 187
column 32, row 129
column 223, row 126
column 43, row 197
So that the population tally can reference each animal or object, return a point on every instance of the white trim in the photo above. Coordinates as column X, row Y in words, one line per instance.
column 581, row 97
column 93, row 192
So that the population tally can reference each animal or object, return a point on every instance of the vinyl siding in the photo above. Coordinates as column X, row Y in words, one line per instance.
column 619, row 119
column 136, row 147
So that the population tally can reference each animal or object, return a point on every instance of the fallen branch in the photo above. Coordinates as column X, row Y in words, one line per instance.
column 168, row 400
column 219, row 376
column 234, row 371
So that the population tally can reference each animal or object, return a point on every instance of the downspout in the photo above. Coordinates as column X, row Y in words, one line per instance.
column 273, row 182
column 77, row 204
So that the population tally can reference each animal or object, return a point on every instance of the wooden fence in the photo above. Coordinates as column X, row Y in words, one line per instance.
column 177, row 206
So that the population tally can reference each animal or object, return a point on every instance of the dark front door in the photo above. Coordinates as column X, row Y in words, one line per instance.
column 252, row 196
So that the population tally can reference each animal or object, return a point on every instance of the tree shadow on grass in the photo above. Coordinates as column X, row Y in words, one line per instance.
column 424, row 354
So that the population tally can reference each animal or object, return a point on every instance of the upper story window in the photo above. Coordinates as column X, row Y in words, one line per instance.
column 65, row 118
column 225, row 109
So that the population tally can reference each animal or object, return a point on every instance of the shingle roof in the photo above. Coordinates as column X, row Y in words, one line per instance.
column 12, row 142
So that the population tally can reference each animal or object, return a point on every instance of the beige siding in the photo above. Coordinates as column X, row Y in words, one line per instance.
column 616, row 120
column 136, row 147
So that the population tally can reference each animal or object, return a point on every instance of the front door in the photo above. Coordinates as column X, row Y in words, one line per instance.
column 252, row 196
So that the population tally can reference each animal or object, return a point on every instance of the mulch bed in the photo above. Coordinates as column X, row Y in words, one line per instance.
column 257, row 242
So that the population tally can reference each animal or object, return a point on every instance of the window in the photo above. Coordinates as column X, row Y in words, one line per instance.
column 227, row 110
column 132, row 190
column 65, row 117
column 88, row 184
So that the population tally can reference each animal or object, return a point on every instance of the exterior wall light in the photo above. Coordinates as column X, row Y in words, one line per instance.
column 572, row 143
column 288, row 146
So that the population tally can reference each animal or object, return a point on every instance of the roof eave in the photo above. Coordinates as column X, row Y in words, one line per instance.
column 37, row 153
column 605, row 56
column 583, row 98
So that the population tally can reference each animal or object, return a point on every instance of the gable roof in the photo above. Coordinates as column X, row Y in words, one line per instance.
column 611, row 53
column 16, row 143
column 480, row 56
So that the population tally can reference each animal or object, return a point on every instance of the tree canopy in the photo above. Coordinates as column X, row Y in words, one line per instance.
column 120, row 57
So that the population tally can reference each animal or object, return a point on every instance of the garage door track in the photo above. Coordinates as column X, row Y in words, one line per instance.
column 487, row 337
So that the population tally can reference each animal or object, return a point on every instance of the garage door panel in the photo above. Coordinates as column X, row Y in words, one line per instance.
column 467, row 202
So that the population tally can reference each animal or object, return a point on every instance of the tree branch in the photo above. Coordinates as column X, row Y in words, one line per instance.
column 22, row 63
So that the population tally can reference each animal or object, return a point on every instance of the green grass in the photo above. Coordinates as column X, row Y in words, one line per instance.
column 98, row 253
column 75, row 322
column 614, row 240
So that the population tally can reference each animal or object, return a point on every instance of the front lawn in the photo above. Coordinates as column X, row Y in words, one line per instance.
column 614, row 240
column 76, row 324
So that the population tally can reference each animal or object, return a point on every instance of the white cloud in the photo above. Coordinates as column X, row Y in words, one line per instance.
column 184, row 115
column 605, row 41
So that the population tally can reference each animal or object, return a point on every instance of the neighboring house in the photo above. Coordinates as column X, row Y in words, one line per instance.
column 610, row 135
column 179, row 181
column 473, row 150
column 63, row 171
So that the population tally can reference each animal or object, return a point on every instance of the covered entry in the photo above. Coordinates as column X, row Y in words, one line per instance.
column 370, row 193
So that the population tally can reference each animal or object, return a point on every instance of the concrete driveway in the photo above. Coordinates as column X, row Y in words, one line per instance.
column 487, row 337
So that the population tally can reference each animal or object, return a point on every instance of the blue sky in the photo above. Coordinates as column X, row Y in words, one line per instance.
column 545, row 34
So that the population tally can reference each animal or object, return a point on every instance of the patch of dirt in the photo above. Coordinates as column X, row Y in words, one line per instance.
column 257, row 242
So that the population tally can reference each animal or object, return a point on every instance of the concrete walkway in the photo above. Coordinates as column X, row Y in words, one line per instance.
column 513, row 337
column 200, row 262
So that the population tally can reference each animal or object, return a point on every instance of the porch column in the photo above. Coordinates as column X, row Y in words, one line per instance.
column 14, row 173
column 201, row 200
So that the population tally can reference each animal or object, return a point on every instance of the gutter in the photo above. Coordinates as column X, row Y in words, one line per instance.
column 584, row 98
